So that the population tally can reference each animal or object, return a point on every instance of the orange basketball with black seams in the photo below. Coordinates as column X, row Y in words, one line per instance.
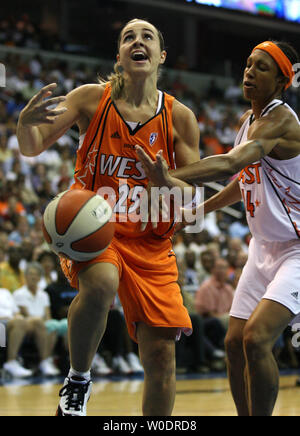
column 77, row 224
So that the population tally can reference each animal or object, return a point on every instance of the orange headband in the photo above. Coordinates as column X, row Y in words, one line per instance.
column 280, row 58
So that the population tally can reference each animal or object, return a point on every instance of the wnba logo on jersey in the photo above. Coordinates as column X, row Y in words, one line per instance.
column 153, row 138
column 2, row 335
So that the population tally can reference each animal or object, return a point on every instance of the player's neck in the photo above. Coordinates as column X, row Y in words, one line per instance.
column 259, row 105
column 138, row 92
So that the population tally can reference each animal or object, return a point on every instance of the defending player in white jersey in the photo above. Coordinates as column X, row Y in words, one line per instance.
column 266, row 157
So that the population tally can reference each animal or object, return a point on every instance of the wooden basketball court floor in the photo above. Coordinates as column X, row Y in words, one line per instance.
column 196, row 396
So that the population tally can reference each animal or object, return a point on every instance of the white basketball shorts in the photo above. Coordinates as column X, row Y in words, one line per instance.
column 271, row 272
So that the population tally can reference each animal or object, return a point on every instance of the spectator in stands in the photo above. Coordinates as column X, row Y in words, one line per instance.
column 11, row 276
column 16, row 104
column 49, row 262
column 61, row 295
column 2, row 255
column 5, row 153
column 39, row 177
column 113, row 341
column 26, row 249
column 214, row 297
column 16, row 330
column 10, row 209
column 240, row 262
column 191, row 274
column 190, row 350
column 117, row 342
column 34, row 305
column 198, row 244
column 239, row 228
column 207, row 259
column 213, row 301
column 26, row 193
column 195, row 352
column 3, row 239
column 213, row 110
column 179, row 246
column 234, row 92
column 21, row 232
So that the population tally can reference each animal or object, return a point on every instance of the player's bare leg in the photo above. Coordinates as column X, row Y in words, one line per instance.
column 157, row 354
column 88, row 312
column 236, row 365
column 260, row 334
column 87, row 320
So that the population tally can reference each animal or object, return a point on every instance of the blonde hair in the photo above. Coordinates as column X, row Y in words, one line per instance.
column 116, row 79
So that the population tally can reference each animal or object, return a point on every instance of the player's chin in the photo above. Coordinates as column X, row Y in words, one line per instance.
column 249, row 93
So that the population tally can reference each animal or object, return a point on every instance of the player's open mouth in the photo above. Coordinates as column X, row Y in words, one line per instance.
column 249, row 84
column 139, row 56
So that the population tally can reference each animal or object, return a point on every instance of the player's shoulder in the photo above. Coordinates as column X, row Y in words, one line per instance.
column 185, row 123
column 86, row 93
column 183, row 114
column 282, row 114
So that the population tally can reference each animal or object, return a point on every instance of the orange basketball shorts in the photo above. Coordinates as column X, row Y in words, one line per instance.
column 148, row 288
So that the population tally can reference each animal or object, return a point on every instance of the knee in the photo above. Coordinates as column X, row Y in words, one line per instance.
column 19, row 323
column 233, row 346
column 255, row 344
column 98, row 286
column 159, row 363
column 36, row 326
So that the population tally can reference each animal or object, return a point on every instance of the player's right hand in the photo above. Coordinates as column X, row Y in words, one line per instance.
column 37, row 110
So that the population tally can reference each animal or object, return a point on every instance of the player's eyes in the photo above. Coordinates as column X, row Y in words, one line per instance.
column 127, row 37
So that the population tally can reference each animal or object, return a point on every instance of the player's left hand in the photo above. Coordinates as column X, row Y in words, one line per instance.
column 156, row 171
column 151, row 208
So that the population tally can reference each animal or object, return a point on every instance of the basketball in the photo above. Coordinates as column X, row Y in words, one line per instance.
column 76, row 224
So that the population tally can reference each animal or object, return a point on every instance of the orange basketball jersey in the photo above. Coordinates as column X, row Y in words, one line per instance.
column 107, row 162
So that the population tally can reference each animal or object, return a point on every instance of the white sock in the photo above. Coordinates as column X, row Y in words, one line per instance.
column 85, row 375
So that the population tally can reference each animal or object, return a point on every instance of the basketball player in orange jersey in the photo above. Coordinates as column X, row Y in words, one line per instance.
column 267, row 157
column 113, row 117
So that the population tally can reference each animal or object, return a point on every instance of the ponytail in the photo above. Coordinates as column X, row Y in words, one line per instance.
column 117, row 83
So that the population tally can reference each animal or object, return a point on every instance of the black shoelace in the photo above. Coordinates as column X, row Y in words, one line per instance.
column 75, row 393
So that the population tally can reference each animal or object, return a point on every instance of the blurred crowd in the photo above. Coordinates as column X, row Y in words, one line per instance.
column 24, row 32
column 34, row 295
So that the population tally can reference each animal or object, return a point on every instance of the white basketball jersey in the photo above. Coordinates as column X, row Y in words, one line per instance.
column 271, row 191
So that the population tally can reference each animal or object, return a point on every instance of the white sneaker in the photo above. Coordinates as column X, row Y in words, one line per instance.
column 74, row 397
column 48, row 368
column 99, row 366
column 219, row 354
column 120, row 365
column 14, row 368
column 134, row 362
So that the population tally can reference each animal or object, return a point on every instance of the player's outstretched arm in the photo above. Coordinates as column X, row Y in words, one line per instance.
column 210, row 169
column 44, row 119
column 279, row 130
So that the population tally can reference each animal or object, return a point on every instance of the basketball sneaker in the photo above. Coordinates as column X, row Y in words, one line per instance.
column 15, row 369
column 99, row 366
column 74, row 394
column 134, row 363
column 120, row 365
column 48, row 369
